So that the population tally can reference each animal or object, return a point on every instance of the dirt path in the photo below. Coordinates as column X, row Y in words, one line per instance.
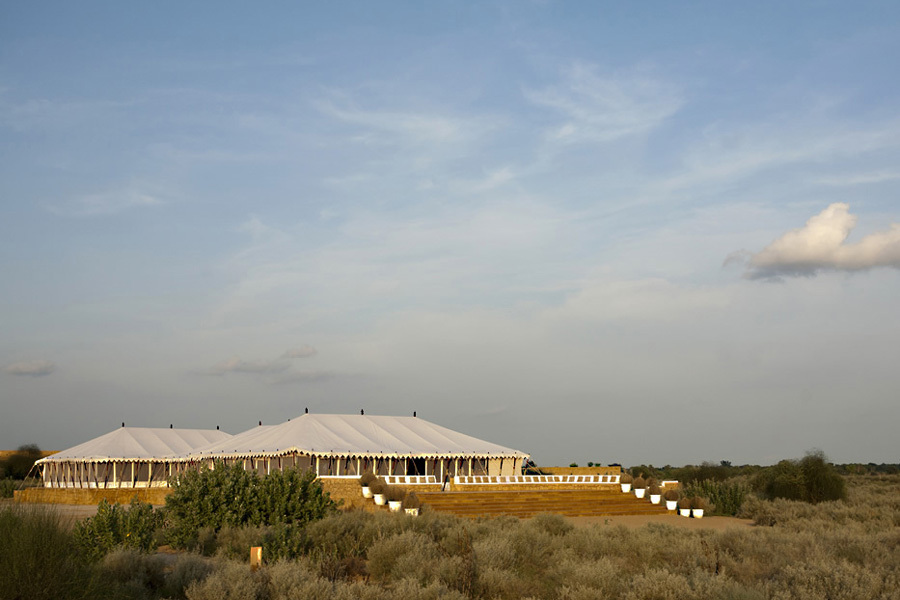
column 716, row 523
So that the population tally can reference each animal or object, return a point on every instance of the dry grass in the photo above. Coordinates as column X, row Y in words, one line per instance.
column 831, row 550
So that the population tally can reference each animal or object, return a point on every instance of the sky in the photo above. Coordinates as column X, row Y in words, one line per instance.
column 654, row 233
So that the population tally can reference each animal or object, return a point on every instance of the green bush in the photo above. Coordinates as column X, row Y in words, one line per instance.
column 726, row 496
column 230, row 496
column 783, row 480
column 115, row 526
column 811, row 479
column 821, row 480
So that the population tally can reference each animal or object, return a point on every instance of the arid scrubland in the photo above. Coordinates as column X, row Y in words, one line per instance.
column 797, row 550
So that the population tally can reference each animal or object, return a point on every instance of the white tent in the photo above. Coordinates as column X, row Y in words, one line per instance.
column 345, row 445
column 124, row 457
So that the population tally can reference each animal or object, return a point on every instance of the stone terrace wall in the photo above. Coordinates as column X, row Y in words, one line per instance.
column 156, row 496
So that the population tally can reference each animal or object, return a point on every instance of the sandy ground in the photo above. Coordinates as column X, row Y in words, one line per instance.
column 716, row 523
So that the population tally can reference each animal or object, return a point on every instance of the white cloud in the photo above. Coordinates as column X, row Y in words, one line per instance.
column 304, row 351
column 31, row 368
column 410, row 126
column 601, row 109
column 821, row 245
column 237, row 365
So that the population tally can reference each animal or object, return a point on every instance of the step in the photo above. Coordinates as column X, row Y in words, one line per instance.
column 532, row 502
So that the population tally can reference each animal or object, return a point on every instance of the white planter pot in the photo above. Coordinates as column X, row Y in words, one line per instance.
column 698, row 513
column 412, row 511
column 626, row 487
column 684, row 512
column 639, row 492
column 672, row 505
column 655, row 498
column 379, row 499
column 366, row 491
column 394, row 505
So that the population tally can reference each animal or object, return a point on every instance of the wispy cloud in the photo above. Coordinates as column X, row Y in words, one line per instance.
column 304, row 351
column 278, row 370
column 821, row 245
column 106, row 203
column 603, row 108
column 410, row 126
column 238, row 365
column 31, row 368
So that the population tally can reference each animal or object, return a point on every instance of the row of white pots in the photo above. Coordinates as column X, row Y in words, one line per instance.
column 640, row 492
column 686, row 512
column 381, row 500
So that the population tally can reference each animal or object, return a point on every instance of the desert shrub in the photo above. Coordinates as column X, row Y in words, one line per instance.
column 671, row 495
column 574, row 464
column 8, row 486
column 231, row 496
column 39, row 559
column 401, row 555
column 187, row 569
column 639, row 483
column 830, row 579
column 235, row 542
column 232, row 581
column 727, row 496
column 551, row 523
column 684, row 503
column 132, row 573
column 626, row 478
column 377, row 486
column 653, row 489
column 114, row 525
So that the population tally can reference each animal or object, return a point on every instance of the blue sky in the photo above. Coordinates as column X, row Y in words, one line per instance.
column 658, row 234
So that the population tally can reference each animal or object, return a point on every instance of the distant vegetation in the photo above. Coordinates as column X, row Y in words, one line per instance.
column 15, row 468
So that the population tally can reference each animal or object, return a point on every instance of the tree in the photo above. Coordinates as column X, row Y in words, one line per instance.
column 20, row 462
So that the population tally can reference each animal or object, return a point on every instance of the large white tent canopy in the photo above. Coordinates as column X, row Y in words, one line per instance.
column 353, row 436
column 139, row 444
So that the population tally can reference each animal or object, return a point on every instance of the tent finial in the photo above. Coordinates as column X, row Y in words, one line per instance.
column 414, row 413
column 362, row 412
column 171, row 426
column 123, row 423
column 260, row 423
column 217, row 427
column 307, row 411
